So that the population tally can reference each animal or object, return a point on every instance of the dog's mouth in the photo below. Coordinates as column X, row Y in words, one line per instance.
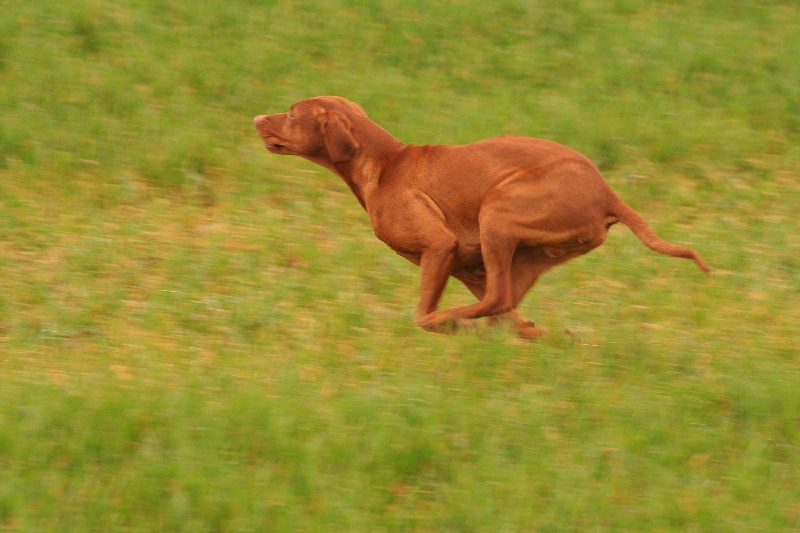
column 275, row 147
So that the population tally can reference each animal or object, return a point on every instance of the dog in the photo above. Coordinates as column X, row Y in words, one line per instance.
column 494, row 214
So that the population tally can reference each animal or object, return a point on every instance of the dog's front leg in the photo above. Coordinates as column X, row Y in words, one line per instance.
column 436, row 263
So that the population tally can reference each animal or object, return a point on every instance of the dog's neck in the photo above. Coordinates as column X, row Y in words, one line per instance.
column 377, row 149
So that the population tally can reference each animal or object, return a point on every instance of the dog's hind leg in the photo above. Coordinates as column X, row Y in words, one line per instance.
column 474, row 279
column 497, row 250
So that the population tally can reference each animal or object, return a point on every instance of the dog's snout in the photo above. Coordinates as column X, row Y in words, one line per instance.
column 259, row 119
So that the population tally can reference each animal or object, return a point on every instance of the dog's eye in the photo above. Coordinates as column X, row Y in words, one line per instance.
column 290, row 117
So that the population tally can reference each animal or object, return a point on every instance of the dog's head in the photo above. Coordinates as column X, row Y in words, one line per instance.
column 316, row 128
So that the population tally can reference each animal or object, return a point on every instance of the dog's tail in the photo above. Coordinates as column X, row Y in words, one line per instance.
column 625, row 214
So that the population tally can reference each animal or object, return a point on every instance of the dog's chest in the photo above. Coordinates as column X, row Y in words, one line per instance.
column 411, row 240
column 411, row 223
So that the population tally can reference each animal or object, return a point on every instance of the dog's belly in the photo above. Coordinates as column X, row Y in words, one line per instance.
column 467, row 256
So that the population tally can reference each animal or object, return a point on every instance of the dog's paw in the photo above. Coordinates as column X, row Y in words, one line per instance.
column 529, row 331
column 438, row 322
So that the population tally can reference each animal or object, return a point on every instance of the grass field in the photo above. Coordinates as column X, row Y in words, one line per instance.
column 197, row 335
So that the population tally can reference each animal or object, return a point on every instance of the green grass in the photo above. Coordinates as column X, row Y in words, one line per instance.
column 196, row 335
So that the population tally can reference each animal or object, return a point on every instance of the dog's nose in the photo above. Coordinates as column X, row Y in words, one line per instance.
column 261, row 120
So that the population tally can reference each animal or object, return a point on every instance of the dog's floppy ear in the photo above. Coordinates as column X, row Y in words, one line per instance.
column 339, row 139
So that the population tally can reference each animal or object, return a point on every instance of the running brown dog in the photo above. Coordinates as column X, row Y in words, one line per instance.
column 494, row 214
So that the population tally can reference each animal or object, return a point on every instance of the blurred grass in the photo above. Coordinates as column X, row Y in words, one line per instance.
column 198, row 336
